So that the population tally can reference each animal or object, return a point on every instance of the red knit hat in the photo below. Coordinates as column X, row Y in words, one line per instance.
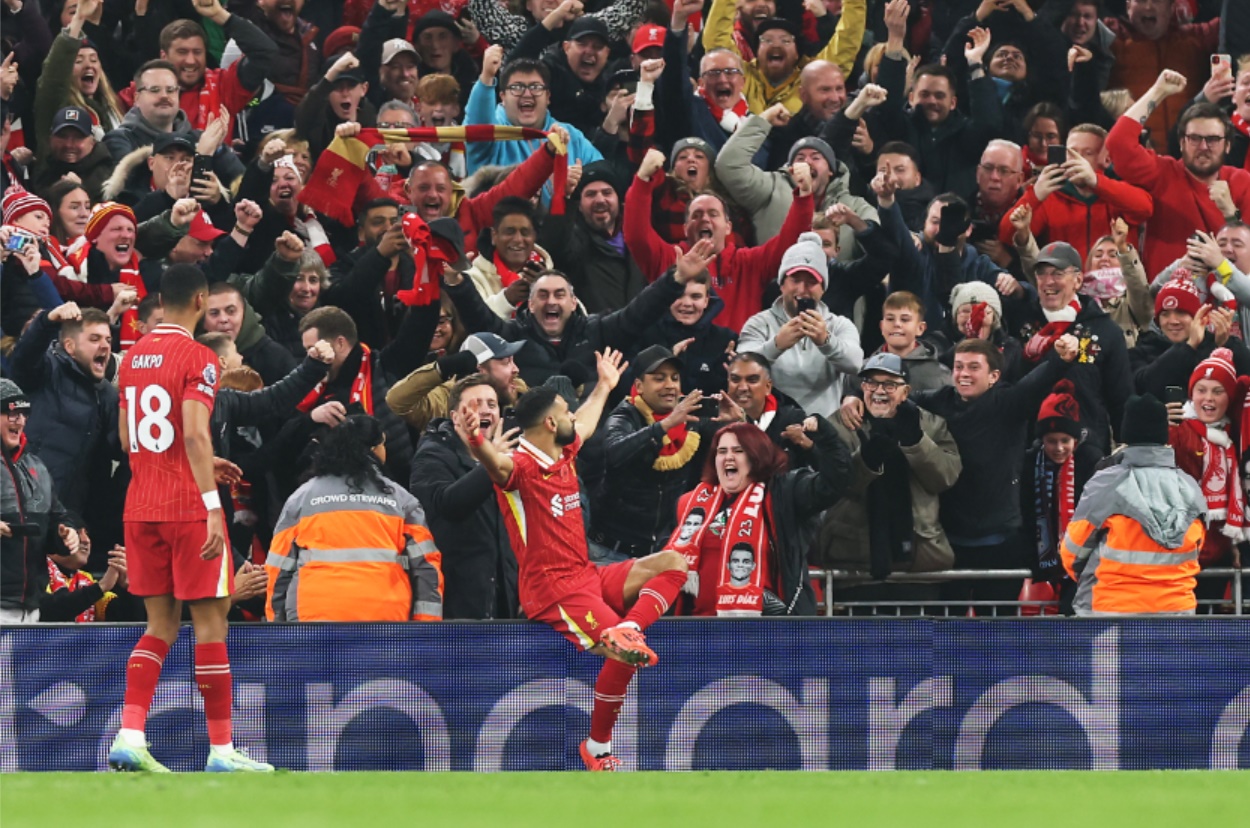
column 101, row 214
column 1178, row 294
column 19, row 202
column 1060, row 412
column 1218, row 367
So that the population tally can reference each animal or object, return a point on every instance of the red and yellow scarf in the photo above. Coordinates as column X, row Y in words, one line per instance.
column 679, row 445
column 340, row 170
column 745, row 529
column 362, row 386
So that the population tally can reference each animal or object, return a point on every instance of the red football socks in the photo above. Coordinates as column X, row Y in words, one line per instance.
column 212, row 676
column 610, row 687
column 655, row 597
column 143, row 671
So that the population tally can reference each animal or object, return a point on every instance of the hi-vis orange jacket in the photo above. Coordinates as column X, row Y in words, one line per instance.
column 345, row 555
column 1134, row 539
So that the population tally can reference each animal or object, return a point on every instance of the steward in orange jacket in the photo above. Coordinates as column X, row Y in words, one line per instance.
column 352, row 545
column 1133, row 542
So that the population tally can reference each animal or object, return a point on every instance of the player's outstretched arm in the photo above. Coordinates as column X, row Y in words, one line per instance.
column 610, row 367
column 198, row 441
column 497, row 464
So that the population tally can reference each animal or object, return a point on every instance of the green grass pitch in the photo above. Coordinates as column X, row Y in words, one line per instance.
column 1046, row 799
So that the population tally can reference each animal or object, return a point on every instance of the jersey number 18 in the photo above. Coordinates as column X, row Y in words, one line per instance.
column 153, row 431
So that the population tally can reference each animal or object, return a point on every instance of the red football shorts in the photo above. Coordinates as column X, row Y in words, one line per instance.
column 582, row 616
column 164, row 559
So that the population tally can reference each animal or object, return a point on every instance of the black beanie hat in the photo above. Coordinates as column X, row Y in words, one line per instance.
column 1145, row 421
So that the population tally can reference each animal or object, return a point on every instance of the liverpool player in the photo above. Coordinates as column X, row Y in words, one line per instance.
column 175, row 531
column 602, row 610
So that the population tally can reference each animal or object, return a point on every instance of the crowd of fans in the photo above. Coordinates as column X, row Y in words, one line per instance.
column 905, row 264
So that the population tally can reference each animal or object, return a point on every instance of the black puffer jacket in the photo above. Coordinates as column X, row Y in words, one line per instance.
column 798, row 499
column 637, row 504
column 583, row 335
column 27, row 499
column 704, row 358
column 604, row 278
column 74, row 427
column 479, row 566
column 1100, row 373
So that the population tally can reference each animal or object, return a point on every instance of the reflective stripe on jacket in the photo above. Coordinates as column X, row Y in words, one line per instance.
column 1133, row 542
column 340, row 554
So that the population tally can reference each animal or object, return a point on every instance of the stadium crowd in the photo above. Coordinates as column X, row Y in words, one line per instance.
column 897, row 269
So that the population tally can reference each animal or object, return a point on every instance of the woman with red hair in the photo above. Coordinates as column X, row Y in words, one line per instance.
column 746, row 528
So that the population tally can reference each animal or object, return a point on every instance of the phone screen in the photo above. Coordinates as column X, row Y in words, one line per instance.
column 1056, row 154
column 806, row 303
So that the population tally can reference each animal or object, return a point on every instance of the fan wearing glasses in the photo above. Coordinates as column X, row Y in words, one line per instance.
column 524, row 88
column 1198, row 191
column 155, row 112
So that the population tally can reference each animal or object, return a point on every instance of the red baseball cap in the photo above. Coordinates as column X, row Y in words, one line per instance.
column 202, row 228
column 648, row 36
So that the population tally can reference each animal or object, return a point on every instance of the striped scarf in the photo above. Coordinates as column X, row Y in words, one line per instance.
column 342, row 168
column 128, row 275
column 679, row 444
column 362, row 386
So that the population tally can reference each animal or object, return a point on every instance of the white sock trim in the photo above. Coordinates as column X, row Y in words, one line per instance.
column 132, row 737
column 598, row 749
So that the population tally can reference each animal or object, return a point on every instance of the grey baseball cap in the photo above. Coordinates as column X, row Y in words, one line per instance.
column 884, row 363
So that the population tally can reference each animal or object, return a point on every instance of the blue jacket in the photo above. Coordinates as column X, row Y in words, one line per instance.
column 482, row 109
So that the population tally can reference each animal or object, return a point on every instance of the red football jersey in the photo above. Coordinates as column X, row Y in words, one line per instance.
column 542, row 508
column 161, row 371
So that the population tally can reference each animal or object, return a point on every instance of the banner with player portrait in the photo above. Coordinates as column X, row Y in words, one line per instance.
column 813, row 694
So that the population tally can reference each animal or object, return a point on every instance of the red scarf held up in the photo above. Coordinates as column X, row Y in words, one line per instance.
column 341, row 169
column 976, row 318
column 1042, row 341
column 362, row 386
column 1221, row 479
column 429, row 254
column 209, row 100
column 744, row 527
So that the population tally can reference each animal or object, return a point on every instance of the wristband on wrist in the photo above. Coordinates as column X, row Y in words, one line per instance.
column 476, row 438
column 212, row 500
column 975, row 67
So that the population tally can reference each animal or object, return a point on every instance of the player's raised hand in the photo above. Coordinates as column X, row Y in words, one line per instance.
column 505, row 442
column 610, row 364
column 215, row 542
column 322, row 351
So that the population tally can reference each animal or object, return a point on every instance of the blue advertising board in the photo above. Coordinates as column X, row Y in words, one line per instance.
column 727, row 694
